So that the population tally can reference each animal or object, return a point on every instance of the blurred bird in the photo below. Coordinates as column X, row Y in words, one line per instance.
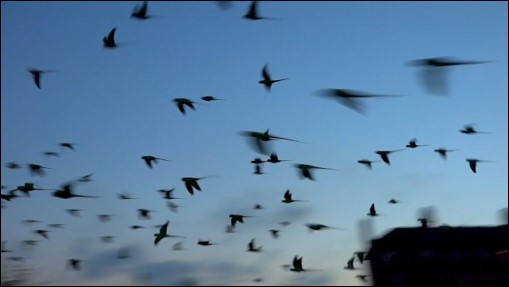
column 317, row 226
column 144, row 213
column 206, row 243
column 285, row 223
column 191, row 183
column 140, row 12
column 274, row 233
column 163, row 233
column 469, row 129
column 274, row 158
column 136, row 227
column 56, row 225
column 304, row 170
column 74, row 212
column 234, row 218
column 362, row 277
column 229, row 228
column 224, row 5
column 361, row 256
column 12, row 165
column 42, row 232
column 473, row 163
column 434, row 72
column 349, row 264
column 27, row 188
column 125, row 196
column 259, row 140
column 384, row 155
column 173, row 207
column 267, row 80
column 210, row 99
column 288, row 198
column 12, row 194
column 86, row 178
column 168, row 193
column 36, row 169
column 258, row 170
column 372, row 211
column 67, row 145
column 257, row 206
column 178, row 246
column 350, row 98
column 152, row 159
column 252, row 13
column 104, row 217
column 393, row 201
column 4, row 249
column 109, row 41
column 123, row 253
column 367, row 163
column 30, row 221
column 66, row 192
column 257, row 161
column 443, row 152
column 251, row 246
column 30, row 242
column 182, row 102
column 36, row 75
column 75, row 264
column 51, row 153
column 413, row 144
column 297, row 264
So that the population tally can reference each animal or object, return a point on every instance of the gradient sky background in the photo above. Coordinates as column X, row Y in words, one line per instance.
column 117, row 106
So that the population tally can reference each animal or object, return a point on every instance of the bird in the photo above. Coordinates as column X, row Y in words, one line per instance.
column 393, row 201
column 206, row 242
column 384, row 155
column 361, row 256
column 210, row 99
column 163, row 233
column 267, row 80
column 51, row 153
column 66, row 192
column 413, row 144
column 234, row 218
column 178, row 246
column 12, row 194
column 372, row 211
column 469, row 130
column 86, row 178
column 104, row 217
column 152, row 159
column 251, row 246
column 257, row 161
column 229, row 228
column 144, row 213
column 297, row 264
column 74, row 212
column 27, row 188
column 31, row 221
column 74, row 263
column 252, row 13
column 367, row 163
column 258, row 170
column 443, row 152
column 140, row 12
column 107, row 238
column 317, row 226
column 433, row 74
column 288, row 198
column 168, row 193
column 109, row 41
column 30, row 242
column 274, row 233
column 36, row 75
column 172, row 206
column 473, row 163
column 304, row 170
column 274, row 158
column 136, row 227
column 182, row 102
column 350, row 98
column 349, row 264
column 56, row 225
column 67, row 145
column 36, row 169
column 259, row 140
column 285, row 223
column 124, row 196
column 258, row 206
column 12, row 165
column 42, row 233
column 191, row 183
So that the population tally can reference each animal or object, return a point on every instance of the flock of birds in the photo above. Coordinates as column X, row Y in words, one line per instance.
column 432, row 76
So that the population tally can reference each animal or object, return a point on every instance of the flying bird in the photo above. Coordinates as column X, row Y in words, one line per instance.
column 66, row 192
column 473, row 163
column 317, row 226
column 182, row 103
column 152, row 159
column 253, row 14
column 274, row 233
column 367, row 163
column 51, row 153
column 140, row 11
column 274, row 158
column 258, row 170
column 163, row 233
column 75, row 264
column 413, row 144
column 178, row 246
column 361, row 256
column 74, row 212
column 433, row 74
column 234, row 218
column 134, row 227
column 384, row 155
column 210, row 99
column 107, row 238
column 124, row 196
column 12, row 194
column 67, row 145
column 36, row 169
column 42, row 233
column 469, row 130
column 104, row 217
column 297, row 264
column 393, row 201
column 267, row 80
column 349, row 264
column 229, row 228
column 12, row 165
column 172, row 206
column 288, row 198
column 191, row 183
column 443, row 152
column 251, row 246
column 259, row 140
column 350, row 98
column 144, row 213
column 109, row 41
column 36, row 75
column 27, row 188
column 258, row 206
column 372, row 211
column 224, row 5
column 304, row 170
column 168, row 193
column 206, row 243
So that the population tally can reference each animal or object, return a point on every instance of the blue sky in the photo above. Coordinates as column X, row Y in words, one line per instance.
column 117, row 105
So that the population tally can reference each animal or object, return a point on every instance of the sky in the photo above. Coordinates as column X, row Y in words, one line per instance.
column 117, row 105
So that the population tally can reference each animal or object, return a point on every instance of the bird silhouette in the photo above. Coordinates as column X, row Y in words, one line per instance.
column 144, row 213
column 362, row 277
column 36, row 75
column 206, row 242
column 350, row 98
column 74, row 212
column 152, row 159
column 349, row 264
column 252, row 13
column 75, row 264
column 30, row 221
column 367, row 163
column 182, row 103
column 178, row 246
column 297, row 264
column 42, row 232
column 258, row 206
column 51, row 153
column 104, row 217
column 393, row 201
column 384, row 155
column 274, row 233
column 288, row 198
column 66, row 192
column 317, row 226
column 27, row 188
column 172, row 206
column 210, row 99
column 12, row 194
column 251, row 246
column 472, row 162
column 229, row 228
column 285, row 223
column 257, row 161
column 56, row 225
column 267, row 80
column 191, row 183
column 134, row 227
column 140, row 12
column 433, row 74
column 12, row 165
column 258, row 170
column 304, row 170
column 372, row 211
column 234, row 218
column 168, row 193
column 67, row 145
column 124, row 196
column 36, row 169
column 163, row 233
column 109, row 41
column 443, row 152
column 469, row 130
column 413, row 144
column 274, row 158
column 361, row 256
column 29, row 242
column 259, row 140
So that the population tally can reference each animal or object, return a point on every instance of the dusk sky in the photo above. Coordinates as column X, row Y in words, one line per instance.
column 117, row 105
